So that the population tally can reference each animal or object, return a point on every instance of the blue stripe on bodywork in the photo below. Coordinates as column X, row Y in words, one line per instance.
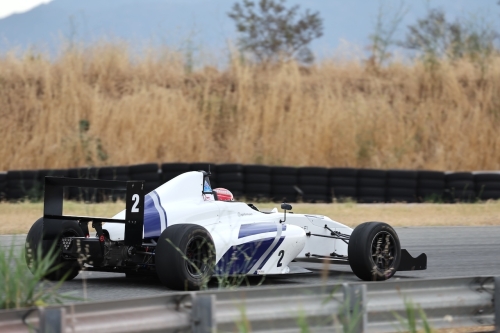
column 239, row 259
column 258, row 228
column 152, row 222
column 161, row 209
column 152, row 218
column 271, row 253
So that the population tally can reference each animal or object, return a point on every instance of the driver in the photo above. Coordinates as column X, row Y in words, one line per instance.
column 223, row 194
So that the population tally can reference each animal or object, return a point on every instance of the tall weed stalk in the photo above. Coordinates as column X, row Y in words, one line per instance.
column 411, row 323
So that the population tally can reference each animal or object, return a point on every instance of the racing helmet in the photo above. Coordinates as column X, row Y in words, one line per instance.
column 223, row 194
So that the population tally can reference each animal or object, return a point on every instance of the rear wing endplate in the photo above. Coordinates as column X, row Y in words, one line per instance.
column 53, row 206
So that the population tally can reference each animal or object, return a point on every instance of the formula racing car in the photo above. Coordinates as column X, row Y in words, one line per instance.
column 185, row 232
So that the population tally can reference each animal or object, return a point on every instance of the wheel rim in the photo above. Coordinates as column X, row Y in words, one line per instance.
column 198, row 256
column 383, row 253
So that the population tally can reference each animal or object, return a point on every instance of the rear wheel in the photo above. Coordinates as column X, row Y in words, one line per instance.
column 374, row 251
column 37, row 248
column 184, row 257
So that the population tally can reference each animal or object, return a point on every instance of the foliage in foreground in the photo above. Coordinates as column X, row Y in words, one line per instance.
column 411, row 323
column 20, row 287
column 348, row 318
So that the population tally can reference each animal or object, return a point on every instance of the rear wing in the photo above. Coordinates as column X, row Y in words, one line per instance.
column 53, row 207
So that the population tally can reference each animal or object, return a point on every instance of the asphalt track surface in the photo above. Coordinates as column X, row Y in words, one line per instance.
column 451, row 251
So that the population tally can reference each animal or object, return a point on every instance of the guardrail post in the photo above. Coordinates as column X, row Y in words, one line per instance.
column 496, row 302
column 203, row 314
column 355, row 307
column 52, row 320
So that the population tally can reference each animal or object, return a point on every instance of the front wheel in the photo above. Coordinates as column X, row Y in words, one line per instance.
column 374, row 251
column 185, row 257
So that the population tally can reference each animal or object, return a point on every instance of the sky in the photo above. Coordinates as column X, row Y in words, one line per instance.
column 204, row 24
column 8, row 7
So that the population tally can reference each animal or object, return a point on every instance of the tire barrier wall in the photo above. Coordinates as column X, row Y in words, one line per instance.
column 313, row 184
column 275, row 183
column 372, row 185
column 257, row 184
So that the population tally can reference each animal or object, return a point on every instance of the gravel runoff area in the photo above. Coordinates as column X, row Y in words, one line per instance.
column 17, row 218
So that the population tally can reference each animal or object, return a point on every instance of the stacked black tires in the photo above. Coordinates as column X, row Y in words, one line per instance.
column 275, row 183
column 83, row 194
column 401, row 186
column 431, row 186
column 230, row 176
column 343, row 183
column 460, row 187
column 257, row 182
column 284, row 182
column 371, row 185
column 487, row 186
column 21, row 184
column 120, row 173
column 171, row 170
column 313, row 182
column 149, row 173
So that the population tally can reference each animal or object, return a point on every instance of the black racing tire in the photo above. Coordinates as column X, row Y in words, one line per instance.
column 185, row 257
column 363, row 247
column 60, row 268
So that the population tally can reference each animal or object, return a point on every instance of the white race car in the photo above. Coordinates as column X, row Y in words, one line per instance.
column 186, row 232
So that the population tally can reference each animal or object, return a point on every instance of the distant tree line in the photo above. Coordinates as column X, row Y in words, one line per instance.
column 269, row 32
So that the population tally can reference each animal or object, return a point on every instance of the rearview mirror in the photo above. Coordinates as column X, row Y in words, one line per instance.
column 286, row 206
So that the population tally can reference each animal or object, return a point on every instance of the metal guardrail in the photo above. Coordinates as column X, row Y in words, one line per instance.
column 369, row 307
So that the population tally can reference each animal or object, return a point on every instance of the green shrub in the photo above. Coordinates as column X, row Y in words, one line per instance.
column 21, row 288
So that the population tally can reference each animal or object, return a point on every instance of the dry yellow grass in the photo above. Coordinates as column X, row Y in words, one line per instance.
column 17, row 218
column 404, row 215
column 150, row 109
